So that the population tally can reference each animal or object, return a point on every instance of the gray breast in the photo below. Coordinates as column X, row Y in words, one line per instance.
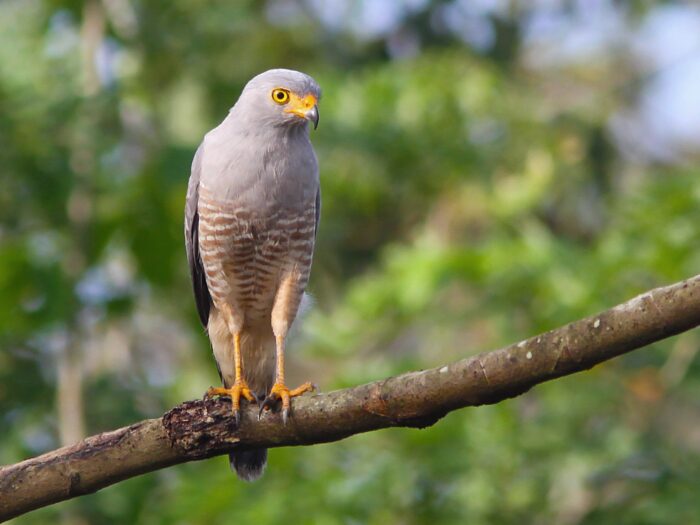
column 257, row 213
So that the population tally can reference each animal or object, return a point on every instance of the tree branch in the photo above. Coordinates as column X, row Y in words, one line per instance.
column 201, row 429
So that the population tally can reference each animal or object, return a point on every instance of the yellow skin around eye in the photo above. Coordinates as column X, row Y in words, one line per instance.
column 281, row 96
column 297, row 105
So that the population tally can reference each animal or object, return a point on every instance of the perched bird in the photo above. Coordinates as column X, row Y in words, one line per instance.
column 251, row 215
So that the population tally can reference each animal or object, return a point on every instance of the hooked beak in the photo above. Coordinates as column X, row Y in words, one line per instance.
column 312, row 115
column 306, row 108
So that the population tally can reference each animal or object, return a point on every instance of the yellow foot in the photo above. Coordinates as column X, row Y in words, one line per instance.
column 280, row 391
column 239, row 388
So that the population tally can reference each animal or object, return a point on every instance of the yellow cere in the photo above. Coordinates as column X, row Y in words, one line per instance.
column 300, row 106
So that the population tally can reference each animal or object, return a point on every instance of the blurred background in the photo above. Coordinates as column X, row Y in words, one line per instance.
column 490, row 169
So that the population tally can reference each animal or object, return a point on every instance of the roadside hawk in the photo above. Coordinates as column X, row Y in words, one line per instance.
column 251, row 215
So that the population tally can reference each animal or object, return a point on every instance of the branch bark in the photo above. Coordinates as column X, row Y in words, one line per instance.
column 201, row 429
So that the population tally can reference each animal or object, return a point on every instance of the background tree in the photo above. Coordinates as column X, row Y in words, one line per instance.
column 490, row 170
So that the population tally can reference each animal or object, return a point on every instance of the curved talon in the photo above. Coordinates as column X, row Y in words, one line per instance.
column 267, row 404
column 280, row 391
column 238, row 390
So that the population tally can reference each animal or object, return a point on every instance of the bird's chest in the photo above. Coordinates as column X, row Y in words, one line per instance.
column 246, row 253
column 260, row 179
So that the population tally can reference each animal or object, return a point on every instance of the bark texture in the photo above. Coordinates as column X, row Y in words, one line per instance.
column 200, row 429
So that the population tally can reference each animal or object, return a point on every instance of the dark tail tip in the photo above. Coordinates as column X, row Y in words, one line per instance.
column 248, row 464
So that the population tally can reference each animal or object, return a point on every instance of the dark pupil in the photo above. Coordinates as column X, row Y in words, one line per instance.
column 280, row 95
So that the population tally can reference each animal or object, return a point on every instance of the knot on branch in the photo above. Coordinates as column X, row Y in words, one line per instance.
column 201, row 428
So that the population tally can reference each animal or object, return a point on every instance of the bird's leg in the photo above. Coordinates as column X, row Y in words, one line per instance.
column 279, row 390
column 239, row 387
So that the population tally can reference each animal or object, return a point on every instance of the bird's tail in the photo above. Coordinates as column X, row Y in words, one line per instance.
column 248, row 465
column 258, row 352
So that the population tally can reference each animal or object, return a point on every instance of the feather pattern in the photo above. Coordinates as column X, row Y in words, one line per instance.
column 251, row 217
column 199, row 284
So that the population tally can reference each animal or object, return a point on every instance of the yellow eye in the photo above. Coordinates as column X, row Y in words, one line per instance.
column 281, row 96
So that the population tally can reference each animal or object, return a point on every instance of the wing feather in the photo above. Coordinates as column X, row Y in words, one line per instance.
column 318, row 211
column 202, row 296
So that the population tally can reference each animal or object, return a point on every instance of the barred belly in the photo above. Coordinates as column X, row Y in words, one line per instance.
column 248, row 256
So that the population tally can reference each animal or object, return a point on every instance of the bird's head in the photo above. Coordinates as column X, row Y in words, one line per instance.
column 281, row 97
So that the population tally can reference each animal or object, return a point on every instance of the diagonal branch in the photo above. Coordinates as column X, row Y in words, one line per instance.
column 201, row 429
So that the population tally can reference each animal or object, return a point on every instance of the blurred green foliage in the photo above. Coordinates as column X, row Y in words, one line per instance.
column 472, row 196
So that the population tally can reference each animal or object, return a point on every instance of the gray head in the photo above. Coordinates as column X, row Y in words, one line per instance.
column 280, row 97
